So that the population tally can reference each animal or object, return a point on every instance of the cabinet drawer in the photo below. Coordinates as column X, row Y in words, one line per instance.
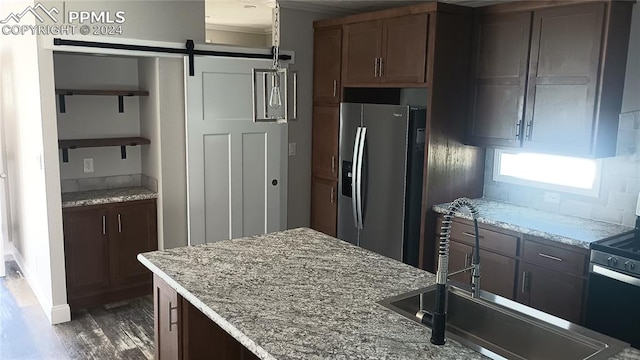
column 554, row 258
column 489, row 240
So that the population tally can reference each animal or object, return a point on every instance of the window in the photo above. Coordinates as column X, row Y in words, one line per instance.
column 552, row 172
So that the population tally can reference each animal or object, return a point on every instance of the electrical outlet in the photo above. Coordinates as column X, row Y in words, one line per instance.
column 552, row 197
column 292, row 149
column 88, row 165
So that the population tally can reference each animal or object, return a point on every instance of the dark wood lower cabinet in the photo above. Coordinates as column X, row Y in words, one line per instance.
column 460, row 258
column 551, row 291
column 166, row 310
column 324, row 205
column 85, row 245
column 101, row 245
column 184, row 332
column 498, row 274
column 539, row 273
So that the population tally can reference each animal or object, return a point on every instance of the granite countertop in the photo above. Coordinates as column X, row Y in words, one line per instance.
column 98, row 197
column 552, row 226
column 300, row 294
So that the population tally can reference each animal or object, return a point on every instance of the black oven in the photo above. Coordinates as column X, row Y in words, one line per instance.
column 613, row 300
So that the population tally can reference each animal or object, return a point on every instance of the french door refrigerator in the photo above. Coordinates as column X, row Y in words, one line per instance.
column 380, row 180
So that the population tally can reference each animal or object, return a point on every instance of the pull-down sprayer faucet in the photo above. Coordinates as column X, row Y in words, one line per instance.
column 440, row 315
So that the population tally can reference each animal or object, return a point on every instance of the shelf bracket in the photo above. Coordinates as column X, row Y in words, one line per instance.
column 123, row 152
column 120, row 103
column 63, row 107
column 65, row 155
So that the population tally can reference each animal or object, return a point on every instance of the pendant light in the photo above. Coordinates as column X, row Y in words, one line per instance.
column 270, row 87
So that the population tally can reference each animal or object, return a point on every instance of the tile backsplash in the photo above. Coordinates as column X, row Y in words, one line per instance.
column 619, row 187
column 108, row 182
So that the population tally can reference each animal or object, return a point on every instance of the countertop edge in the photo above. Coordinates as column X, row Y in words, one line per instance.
column 108, row 200
column 212, row 315
column 521, row 229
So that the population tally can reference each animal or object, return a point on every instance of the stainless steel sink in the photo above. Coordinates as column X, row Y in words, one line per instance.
column 500, row 328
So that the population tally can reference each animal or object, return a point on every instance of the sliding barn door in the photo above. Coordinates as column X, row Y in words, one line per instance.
column 236, row 169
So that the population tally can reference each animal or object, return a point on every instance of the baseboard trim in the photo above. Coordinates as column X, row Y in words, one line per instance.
column 60, row 314
column 56, row 314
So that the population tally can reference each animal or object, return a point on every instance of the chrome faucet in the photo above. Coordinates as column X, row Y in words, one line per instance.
column 440, row 314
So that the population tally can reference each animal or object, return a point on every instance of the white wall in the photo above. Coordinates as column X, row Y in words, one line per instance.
column 162, row 121
column 98, row 116
column 29, row 113
column 238, row 38
column 173, row 139
column 296, row 34
column 28, row 104
column 161, row 20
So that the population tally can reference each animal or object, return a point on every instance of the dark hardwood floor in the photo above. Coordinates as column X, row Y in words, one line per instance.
column 122, row 330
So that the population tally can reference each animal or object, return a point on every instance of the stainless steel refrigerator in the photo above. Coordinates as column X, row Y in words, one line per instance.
column 380, row 181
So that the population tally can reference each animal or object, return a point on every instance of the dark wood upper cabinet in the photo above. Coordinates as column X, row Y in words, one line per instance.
column 391, row 51
column 327, row 50
column 575, row 77
column 362, row 46
column 499, row 75
column 404, row 49
column 86, row 248
column 563, row 76
column 134, row 231
column 326, row 124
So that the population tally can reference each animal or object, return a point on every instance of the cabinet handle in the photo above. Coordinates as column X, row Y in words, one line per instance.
column 528, row 132
column 119, row 223
column 104, row 225
column 335, row 88
column 333, row 194
column 171, row 322
column 525, row 277
column 375, row 68
column 518, row 129
column 381, row 67
column 472, row 235
column 550, row 257
column 467, row 259
column 333, row 164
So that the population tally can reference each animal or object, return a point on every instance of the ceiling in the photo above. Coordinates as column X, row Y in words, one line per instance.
column 255, row 15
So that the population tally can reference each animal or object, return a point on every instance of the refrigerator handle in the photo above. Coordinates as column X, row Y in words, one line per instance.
column 354, row 191
column 363, row 137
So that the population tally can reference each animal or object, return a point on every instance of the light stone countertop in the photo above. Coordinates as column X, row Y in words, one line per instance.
column 565, row 229
column 300, row 294
column 107, row 196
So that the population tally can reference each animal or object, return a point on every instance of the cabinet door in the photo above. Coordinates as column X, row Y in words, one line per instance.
column 550, row 291
column 324, row 205
column 499, row 75
column 404, row 49
column 327, row 52
column 460, row 258
column 326, row 122
column 563, row 78
column 86, row 250
column 167, row 324
column 134, row 232
column 497, row 274
column 362, row 43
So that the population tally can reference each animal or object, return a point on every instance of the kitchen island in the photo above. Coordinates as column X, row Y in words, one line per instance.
column 300, row 294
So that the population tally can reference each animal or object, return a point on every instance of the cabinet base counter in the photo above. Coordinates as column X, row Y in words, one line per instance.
column 300, row 294
column 296, row 294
